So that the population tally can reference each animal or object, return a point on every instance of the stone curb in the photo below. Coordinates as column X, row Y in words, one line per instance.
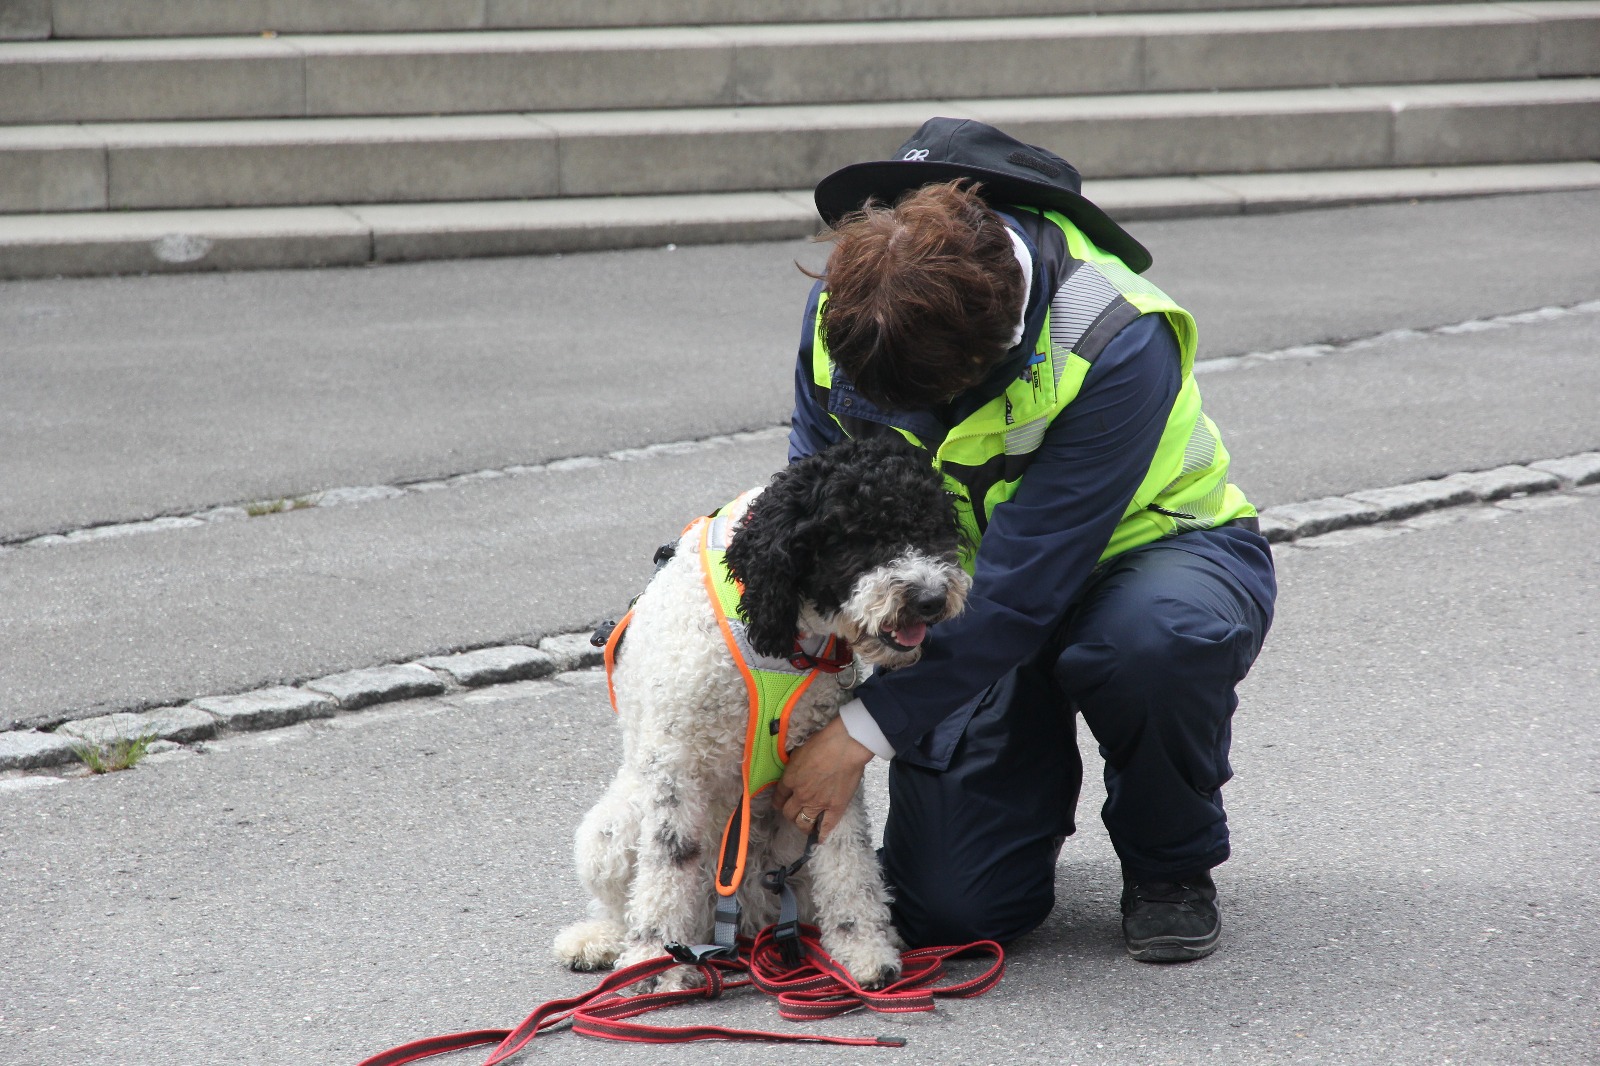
column 277, row 706
column 1506, row 481
column 182, row 724
column 571, row 651
column 1403, row 501
column 354, row 689
column 267, row 708
column 1581, row 469
column 493, row 666
column 281, row 705
column 1293, row 521
column 31, row 751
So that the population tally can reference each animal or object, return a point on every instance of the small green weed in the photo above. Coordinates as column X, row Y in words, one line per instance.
column 288, row 503
column 117, row 755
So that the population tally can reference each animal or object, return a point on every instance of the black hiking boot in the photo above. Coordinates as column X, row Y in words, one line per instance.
column 1170, row 921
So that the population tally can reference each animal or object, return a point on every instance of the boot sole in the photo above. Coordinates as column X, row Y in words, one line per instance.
column 1175, row 948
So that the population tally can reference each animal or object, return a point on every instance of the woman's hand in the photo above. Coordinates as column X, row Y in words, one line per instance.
column 822, row 778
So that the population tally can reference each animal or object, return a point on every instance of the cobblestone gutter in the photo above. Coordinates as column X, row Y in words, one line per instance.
column 284, row 705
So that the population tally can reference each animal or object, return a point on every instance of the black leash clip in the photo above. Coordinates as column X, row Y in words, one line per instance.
column 698, row 954
column 787, row 936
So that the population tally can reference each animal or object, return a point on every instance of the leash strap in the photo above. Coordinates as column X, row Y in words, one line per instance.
column 511, row 1041
column 818, row 988
column 821, row 988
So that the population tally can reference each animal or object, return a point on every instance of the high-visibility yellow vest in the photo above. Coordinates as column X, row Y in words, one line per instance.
column 984, row 456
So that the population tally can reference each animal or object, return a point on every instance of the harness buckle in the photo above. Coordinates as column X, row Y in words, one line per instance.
column 787, row 936
column 698, row 954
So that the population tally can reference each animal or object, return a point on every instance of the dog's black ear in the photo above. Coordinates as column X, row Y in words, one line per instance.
column 771, row 554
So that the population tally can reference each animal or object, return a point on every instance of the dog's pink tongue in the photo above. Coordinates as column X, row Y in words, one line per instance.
column 911, row 635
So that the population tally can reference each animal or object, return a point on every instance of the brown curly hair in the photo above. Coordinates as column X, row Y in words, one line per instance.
column 923, row 297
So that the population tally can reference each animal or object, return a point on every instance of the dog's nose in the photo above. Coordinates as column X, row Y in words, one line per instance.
column 930, row 606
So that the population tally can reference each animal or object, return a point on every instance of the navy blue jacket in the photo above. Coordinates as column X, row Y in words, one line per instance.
column 1041, row 546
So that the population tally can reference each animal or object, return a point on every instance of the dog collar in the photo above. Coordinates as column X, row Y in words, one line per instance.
column 801, row 659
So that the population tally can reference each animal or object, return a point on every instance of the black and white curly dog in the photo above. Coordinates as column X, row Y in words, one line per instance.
column 859, row 541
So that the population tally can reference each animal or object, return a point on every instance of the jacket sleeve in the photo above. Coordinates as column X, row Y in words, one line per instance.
column 810, row 428
column 1041, row 546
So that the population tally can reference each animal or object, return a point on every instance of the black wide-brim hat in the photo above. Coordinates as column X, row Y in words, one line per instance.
column 1012, row 172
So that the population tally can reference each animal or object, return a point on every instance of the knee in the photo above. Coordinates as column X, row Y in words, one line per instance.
column 944, row 908
column 1156, row 660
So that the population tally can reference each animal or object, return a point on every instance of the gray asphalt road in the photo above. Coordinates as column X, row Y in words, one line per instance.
column 145, row 394
column 1410, row 409
column 122, row 398
column 1414, row 878
column 161, row 618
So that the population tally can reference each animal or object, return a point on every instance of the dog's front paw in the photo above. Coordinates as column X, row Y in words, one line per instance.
column 588, row 946
column 680, row 979
column 676, row 979
column 872, row 961
column 883, row 977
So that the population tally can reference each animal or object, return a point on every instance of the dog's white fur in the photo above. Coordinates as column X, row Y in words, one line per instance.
column 646, row 851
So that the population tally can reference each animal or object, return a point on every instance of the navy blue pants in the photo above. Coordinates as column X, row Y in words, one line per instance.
column 1149, row 656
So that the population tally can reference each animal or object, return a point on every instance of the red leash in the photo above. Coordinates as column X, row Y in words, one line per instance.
column 817, row 988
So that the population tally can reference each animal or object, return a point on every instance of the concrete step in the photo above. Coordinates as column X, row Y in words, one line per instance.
column 476, row 73
column 127, row 242
column 38, row 19
column 157, row 165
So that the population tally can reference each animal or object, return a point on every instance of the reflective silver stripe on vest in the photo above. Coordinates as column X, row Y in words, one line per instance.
column 717, row 540
column 1205, row 510
column 1198, row 454
column 760, row 662
column 1020, row 440
column 1081, row 301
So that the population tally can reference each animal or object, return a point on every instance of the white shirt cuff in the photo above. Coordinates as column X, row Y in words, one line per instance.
column 859, row 723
